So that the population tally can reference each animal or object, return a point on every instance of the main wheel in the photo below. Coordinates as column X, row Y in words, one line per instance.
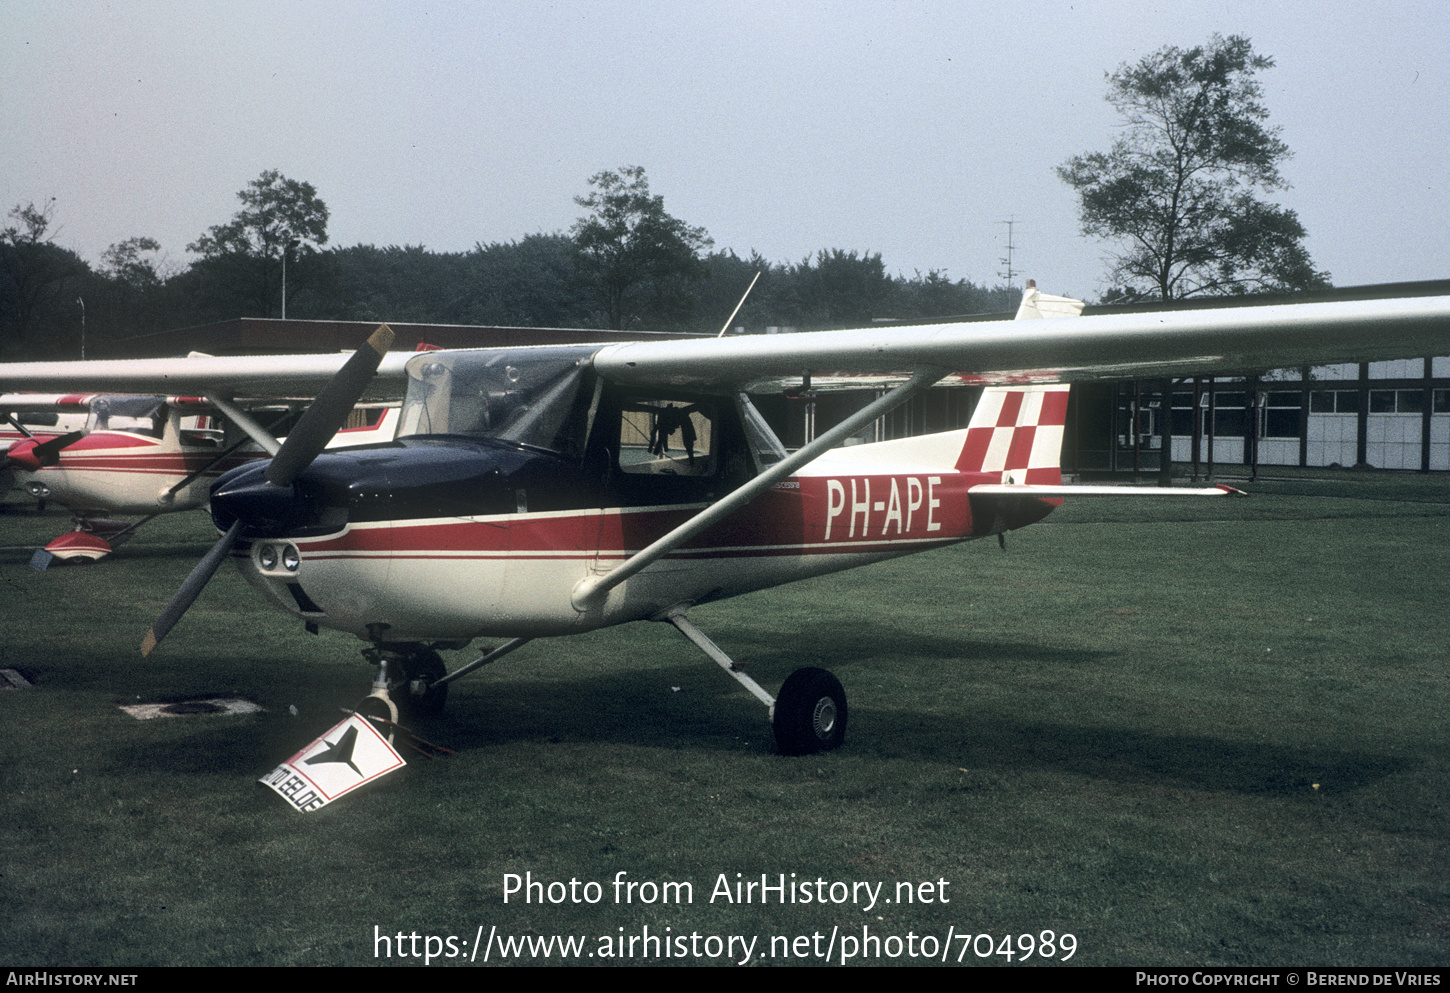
column 810, row 713
column 417, row 693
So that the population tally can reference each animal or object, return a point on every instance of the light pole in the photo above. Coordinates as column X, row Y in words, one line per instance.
column 82, row 302
column 291, row 244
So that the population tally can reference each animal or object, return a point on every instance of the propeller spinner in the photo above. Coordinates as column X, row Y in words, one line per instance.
column 32, row 455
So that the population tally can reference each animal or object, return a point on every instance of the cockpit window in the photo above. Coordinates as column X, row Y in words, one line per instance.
column 537, row 397
column 768, row 449
column 136, row 414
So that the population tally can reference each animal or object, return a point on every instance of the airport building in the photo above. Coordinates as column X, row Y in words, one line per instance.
column 1381, row 415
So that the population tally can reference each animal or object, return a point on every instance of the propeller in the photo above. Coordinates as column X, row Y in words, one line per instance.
column 304, row 443
column 191, row 588
column 329, row 411
column 31, row 455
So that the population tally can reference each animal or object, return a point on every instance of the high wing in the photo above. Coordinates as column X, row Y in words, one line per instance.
column 1110, row 346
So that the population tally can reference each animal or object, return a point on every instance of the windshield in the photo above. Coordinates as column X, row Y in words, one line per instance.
column 533, row 396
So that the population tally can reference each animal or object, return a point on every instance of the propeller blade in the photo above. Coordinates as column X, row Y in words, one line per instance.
column 330, row 410
column 48, row 452
column 191, row 588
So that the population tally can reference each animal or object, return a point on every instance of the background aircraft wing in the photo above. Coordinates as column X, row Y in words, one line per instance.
column 249, row 375
column 1111, row 346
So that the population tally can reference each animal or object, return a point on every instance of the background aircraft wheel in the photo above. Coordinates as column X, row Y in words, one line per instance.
column 415, row 693
column 810, row 713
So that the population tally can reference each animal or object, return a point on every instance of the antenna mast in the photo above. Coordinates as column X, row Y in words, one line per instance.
column 1009, row 274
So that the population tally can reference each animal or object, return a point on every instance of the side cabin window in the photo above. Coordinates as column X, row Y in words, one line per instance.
column 660, row 437
column 664, row 448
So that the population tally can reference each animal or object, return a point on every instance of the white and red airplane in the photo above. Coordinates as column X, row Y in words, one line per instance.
column 135, row 454
column 546, row 491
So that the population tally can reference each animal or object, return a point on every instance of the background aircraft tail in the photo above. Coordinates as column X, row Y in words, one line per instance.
column 1015, row 431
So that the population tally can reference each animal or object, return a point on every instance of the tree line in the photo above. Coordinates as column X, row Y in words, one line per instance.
column 1178, row 197
column 627, row 264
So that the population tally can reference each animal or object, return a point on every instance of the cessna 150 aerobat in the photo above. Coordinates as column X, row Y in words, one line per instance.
column 134, row 454
column 551, row 490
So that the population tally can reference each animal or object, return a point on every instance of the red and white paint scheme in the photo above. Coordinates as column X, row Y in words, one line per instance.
column 513, row 574
column 555, row 489
column 132, row 454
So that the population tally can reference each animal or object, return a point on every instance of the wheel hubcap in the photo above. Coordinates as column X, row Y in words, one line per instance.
column 824, row 718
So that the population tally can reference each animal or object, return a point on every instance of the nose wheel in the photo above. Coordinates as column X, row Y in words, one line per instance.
column 416, row 688
column 407, row 683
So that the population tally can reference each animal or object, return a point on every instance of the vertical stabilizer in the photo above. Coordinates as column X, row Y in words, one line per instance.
column 1037, row 304
column 1017, row 430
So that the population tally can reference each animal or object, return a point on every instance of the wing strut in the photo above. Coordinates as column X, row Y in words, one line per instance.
column 590, row 590
column 244, row 421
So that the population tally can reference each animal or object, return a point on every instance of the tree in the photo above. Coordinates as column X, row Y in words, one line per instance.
column 634, row 255
column 839, row 289
column 1179, row 189
column 125, row 263
column 241, row 265
column 38, row 313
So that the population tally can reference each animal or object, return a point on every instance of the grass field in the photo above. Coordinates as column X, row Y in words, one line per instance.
column 1189, row 732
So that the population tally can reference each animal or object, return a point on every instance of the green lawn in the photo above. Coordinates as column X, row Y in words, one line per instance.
column 1187, row 732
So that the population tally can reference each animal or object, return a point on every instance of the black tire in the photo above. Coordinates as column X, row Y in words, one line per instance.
column 416, row 693
column 810, row 713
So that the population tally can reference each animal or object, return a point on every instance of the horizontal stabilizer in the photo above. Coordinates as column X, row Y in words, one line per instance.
column 1064, row 490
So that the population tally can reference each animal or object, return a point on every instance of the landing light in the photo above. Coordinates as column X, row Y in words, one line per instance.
column 269, row 556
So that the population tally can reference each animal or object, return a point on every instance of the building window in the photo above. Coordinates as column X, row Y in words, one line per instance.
column 1397, row 401
column 1334, row 402
column 1281, row 415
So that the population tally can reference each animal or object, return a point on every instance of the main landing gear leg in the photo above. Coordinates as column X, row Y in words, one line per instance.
column 810, row 713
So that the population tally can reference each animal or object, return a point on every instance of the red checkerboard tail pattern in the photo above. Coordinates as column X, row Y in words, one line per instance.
column 1017, row 431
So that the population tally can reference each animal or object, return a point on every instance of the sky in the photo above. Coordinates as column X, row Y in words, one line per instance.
column 912, row 129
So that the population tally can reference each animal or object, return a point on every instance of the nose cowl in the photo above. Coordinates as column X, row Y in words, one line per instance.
column 263, row 508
